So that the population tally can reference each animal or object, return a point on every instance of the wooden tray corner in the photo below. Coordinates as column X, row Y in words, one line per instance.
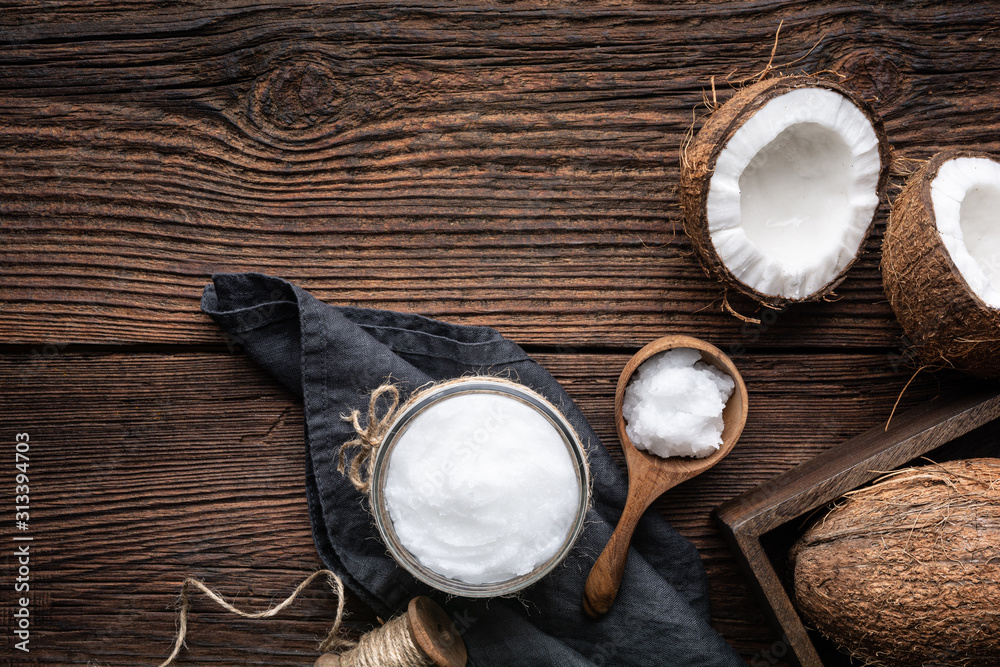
column 747, row 520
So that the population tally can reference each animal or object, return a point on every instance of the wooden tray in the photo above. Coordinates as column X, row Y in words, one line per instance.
column 762, row 524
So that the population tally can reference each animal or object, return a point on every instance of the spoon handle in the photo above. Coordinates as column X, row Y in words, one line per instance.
column 606, row 576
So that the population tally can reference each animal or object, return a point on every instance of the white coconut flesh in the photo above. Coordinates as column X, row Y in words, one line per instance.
column 966, row 198
column 793, row 193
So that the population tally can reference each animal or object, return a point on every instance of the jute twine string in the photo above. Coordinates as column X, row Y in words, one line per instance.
column 333, row 638
column 369, row 437
column 390, row 645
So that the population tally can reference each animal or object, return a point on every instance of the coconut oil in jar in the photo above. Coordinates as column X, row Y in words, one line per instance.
column 480, row 487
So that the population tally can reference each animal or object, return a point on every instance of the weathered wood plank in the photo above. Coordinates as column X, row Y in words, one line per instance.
column 512, row 166
column 147, row 468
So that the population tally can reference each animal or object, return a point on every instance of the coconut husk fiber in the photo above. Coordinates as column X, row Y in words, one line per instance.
column 906, row 572
column 946, row 322
column 698, row 164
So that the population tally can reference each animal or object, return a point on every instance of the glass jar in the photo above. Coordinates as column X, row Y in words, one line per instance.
column 383, row 458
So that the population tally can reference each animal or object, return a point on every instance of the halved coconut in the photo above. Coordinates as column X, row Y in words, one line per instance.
column 780, row 186
column 941, row 261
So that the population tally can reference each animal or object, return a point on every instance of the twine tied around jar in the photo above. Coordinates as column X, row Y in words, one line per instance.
column 369, row 437
column 358, row 469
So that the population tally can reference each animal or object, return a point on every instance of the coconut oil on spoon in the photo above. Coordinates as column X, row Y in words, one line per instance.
column 651, row 475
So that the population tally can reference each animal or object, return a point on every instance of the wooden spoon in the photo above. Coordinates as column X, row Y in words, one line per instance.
column 651, row 475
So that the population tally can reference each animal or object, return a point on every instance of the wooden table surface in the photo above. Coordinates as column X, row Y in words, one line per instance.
column 512, row 164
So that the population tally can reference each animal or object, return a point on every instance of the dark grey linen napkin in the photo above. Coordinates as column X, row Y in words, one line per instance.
column 334, row 357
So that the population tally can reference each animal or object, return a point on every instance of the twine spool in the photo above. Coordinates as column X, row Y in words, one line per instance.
column 391, row 645
column 422, row 637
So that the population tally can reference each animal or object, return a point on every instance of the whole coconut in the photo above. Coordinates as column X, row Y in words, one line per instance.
column 907, row 572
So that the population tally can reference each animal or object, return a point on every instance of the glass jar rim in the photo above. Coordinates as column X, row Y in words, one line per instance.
column 432, row 396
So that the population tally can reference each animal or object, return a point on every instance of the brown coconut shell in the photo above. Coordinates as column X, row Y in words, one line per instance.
column 948, row 324
column 698, row 164
column 906, row 572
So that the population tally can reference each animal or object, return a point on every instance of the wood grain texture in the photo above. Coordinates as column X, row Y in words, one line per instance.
column 512, row 165
column 148, row 468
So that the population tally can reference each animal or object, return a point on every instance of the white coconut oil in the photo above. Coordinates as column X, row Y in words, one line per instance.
column 673, row 405
column 482, row 488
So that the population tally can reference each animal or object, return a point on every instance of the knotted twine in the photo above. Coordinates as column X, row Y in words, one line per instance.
column 390, row 645
column 369, row 437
